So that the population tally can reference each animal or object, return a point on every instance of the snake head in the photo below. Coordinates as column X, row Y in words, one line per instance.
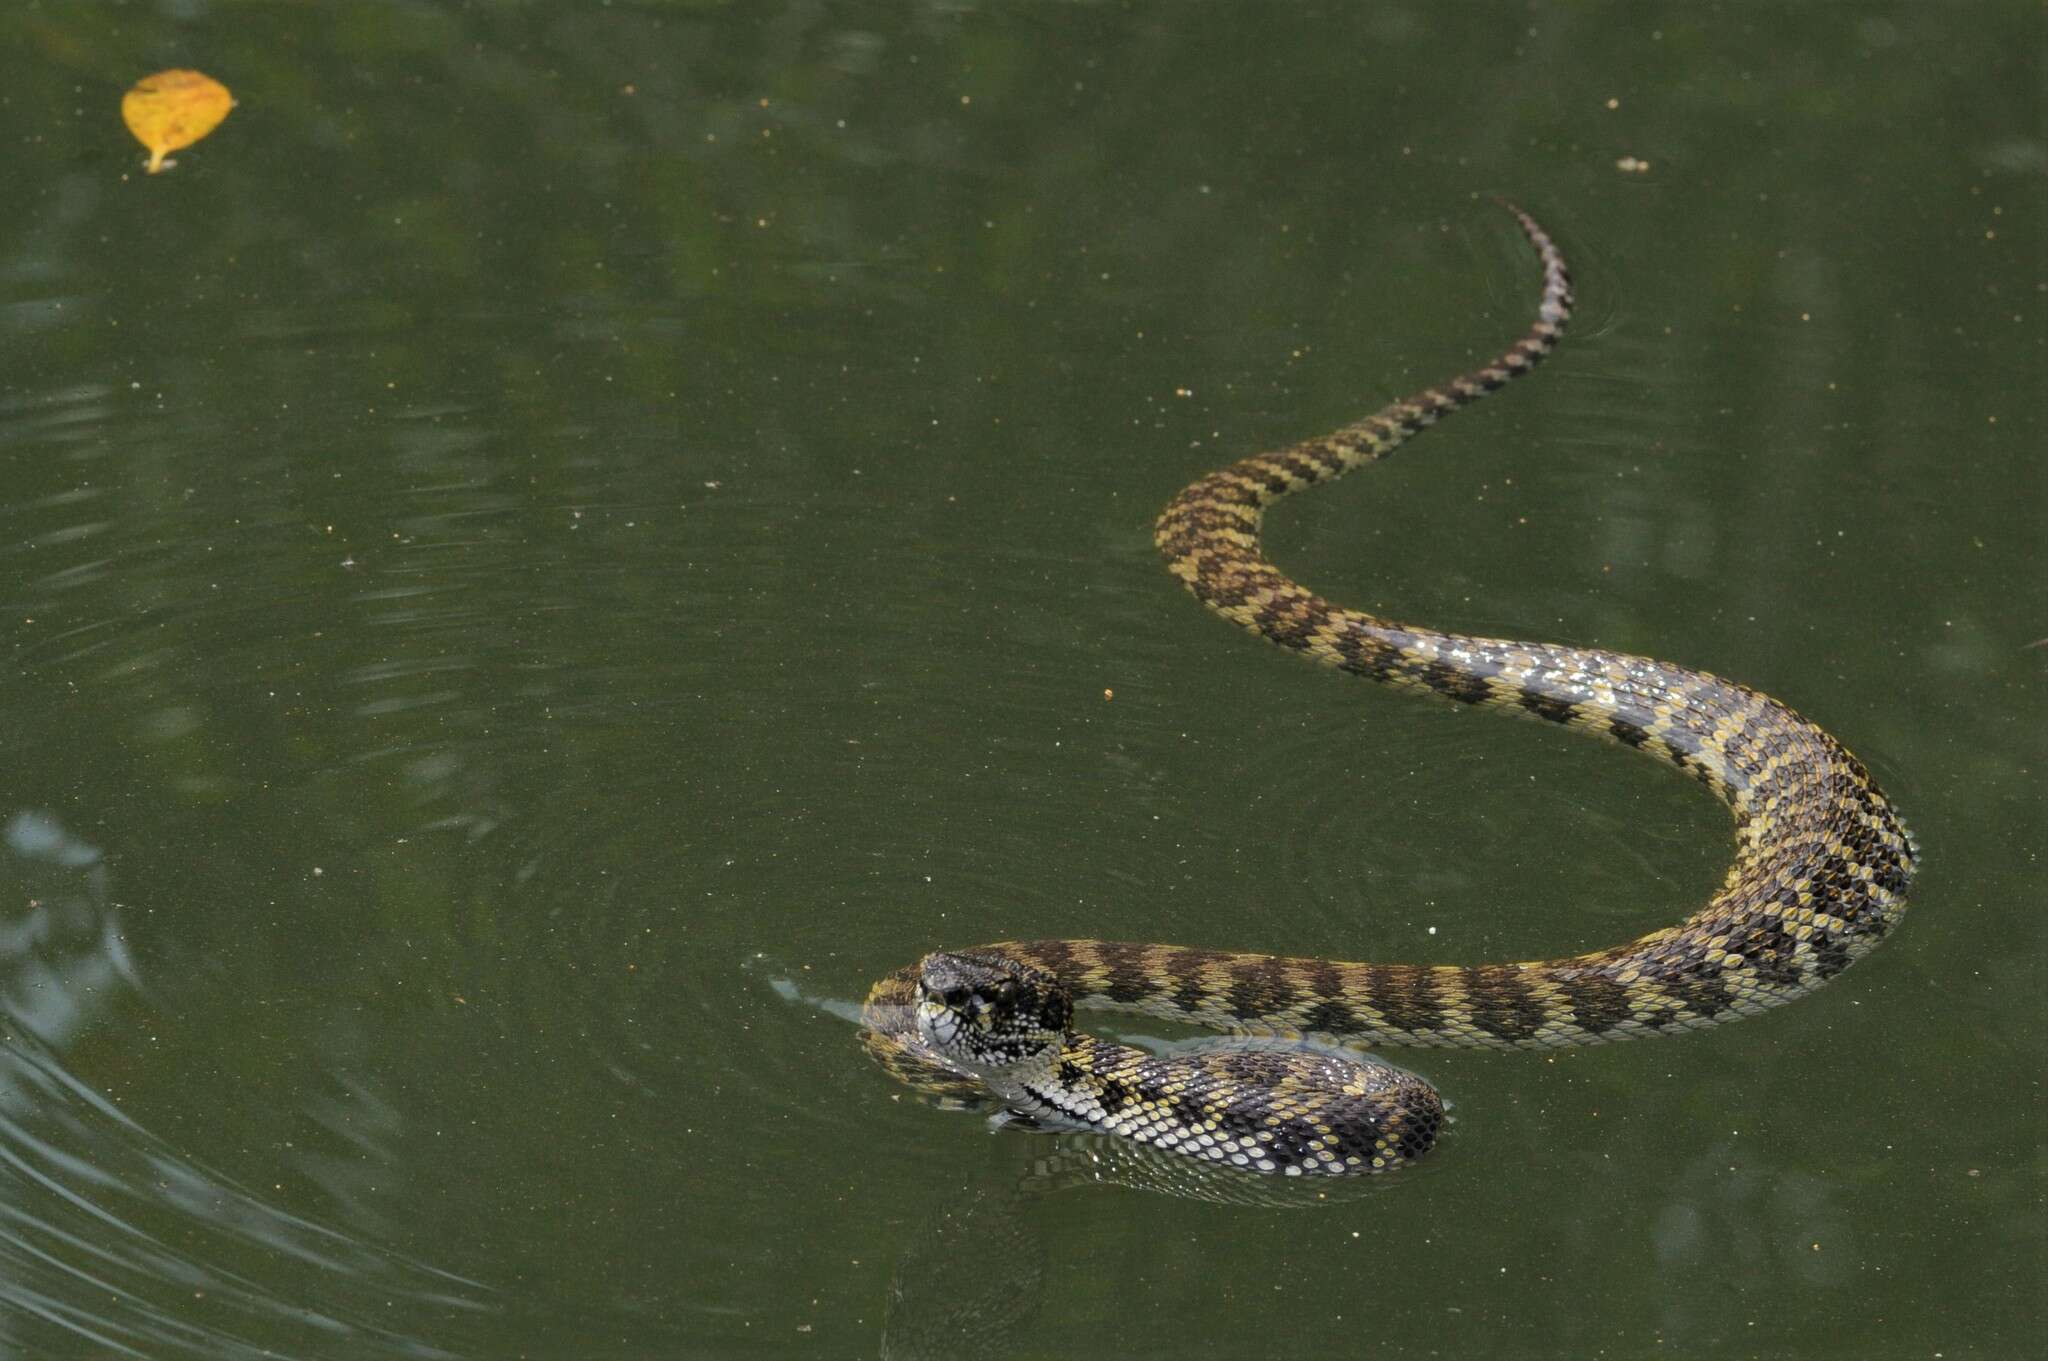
column 986, row 1012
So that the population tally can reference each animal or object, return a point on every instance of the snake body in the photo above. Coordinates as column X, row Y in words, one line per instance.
column 1821, row 868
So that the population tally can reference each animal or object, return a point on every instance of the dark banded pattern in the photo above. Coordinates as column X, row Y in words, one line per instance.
column 1821, row 868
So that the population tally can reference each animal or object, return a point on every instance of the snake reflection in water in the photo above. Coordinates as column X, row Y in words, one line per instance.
column 1821, row 868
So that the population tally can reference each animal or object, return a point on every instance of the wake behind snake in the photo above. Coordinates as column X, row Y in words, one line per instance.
column 1821, row 867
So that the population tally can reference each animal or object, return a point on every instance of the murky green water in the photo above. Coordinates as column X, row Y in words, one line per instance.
column 560, row 542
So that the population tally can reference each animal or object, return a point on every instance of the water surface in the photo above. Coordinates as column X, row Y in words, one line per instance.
column 559, row 543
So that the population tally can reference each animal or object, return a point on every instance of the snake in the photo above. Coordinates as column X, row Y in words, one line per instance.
column 1820, row 873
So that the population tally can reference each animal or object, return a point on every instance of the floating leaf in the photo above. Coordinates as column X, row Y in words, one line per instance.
column 174, row 109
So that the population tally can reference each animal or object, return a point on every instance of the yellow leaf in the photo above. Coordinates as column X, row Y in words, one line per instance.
column 174, row 109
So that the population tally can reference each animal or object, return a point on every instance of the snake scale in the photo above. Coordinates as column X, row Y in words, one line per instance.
column 1821, row 867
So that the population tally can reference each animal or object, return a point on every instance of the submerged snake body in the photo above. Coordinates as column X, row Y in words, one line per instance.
column 1820, row 873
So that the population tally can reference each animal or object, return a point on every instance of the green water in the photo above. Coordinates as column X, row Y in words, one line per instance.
column 562, row 541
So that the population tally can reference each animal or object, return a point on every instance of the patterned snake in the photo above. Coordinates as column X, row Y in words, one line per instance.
column 1821, row 867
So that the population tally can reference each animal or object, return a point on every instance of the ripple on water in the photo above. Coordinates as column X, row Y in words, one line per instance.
column 177, row 1258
